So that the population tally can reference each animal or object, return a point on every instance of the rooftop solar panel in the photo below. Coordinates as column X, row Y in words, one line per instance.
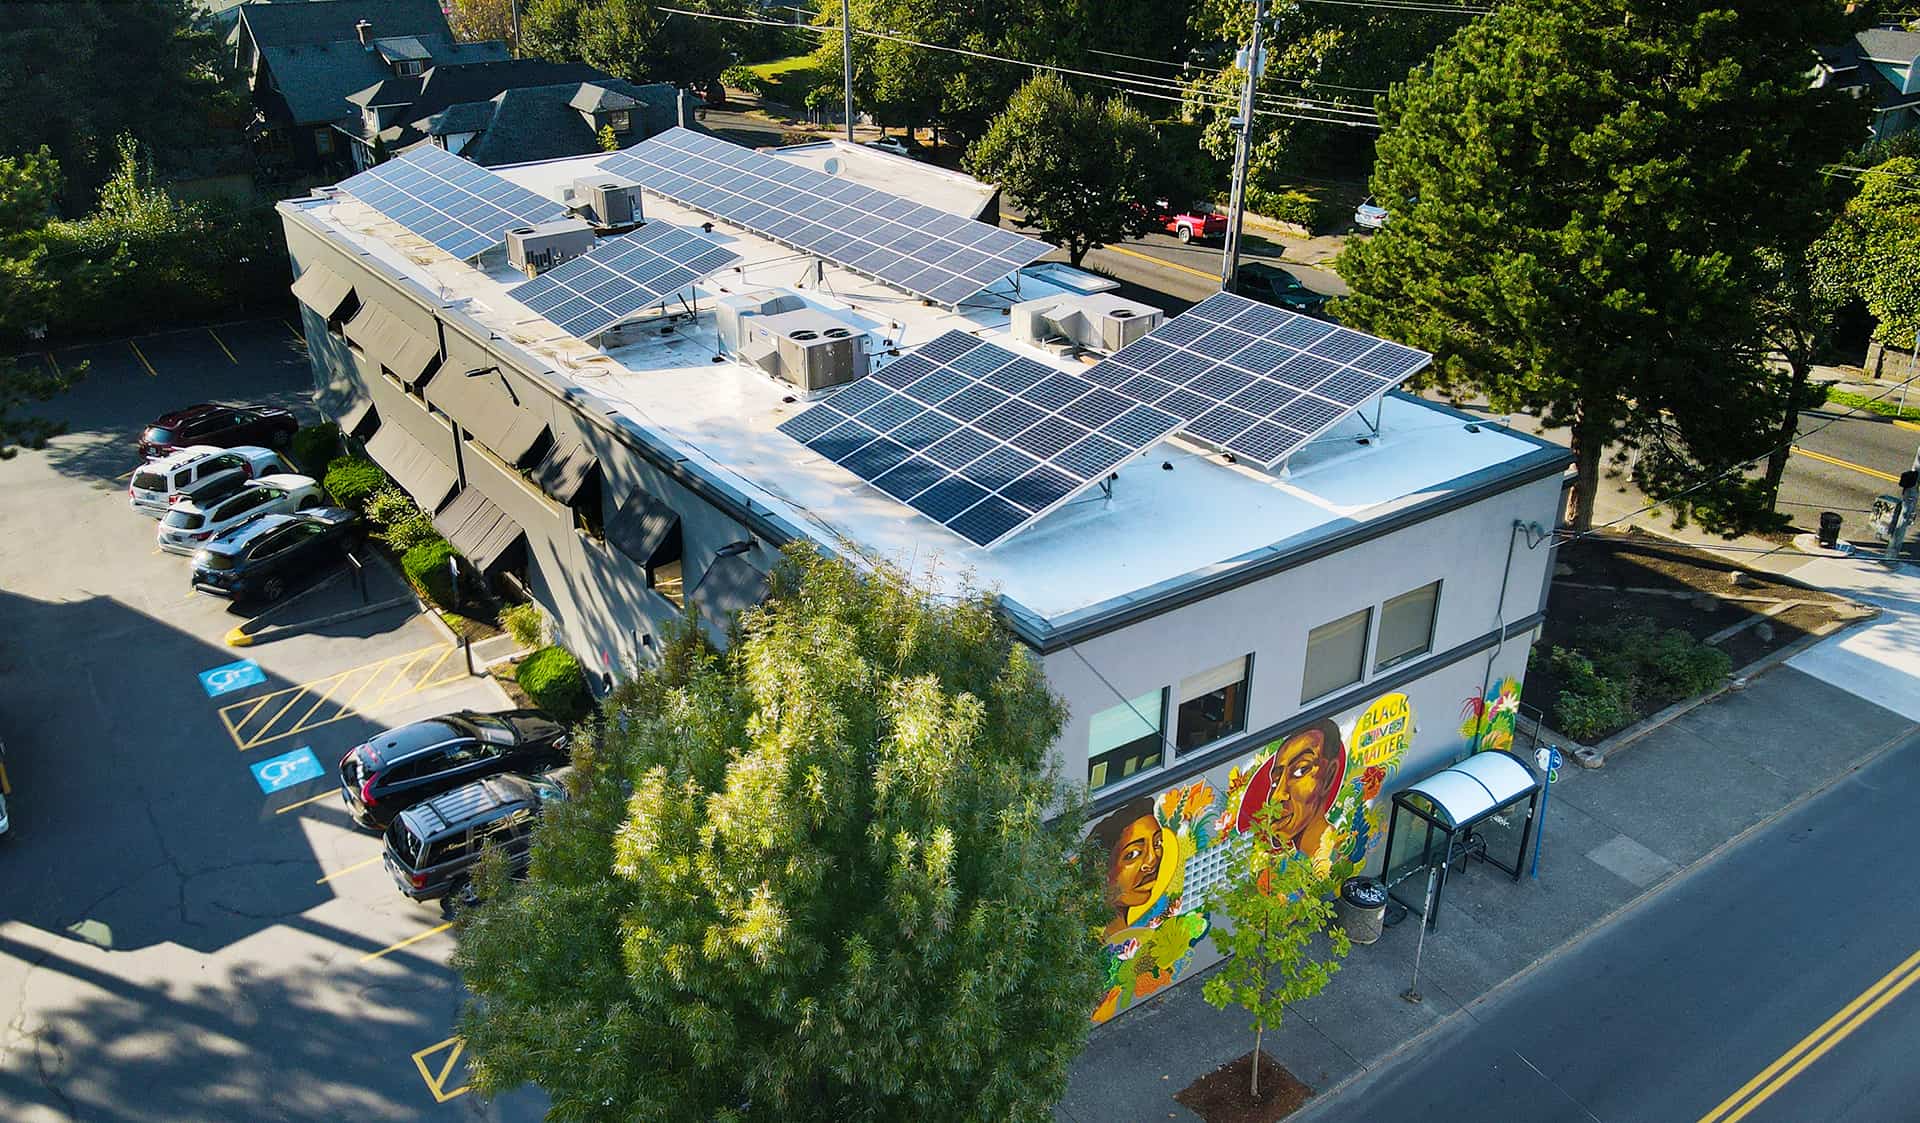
column 1255, row 380
column 456, row 204
column 621, row 276
column 915, row 248
column 964, row 433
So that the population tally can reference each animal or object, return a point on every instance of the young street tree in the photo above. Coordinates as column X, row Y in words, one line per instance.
column 1084, row 169
column 810, row 878
column 1584, row 197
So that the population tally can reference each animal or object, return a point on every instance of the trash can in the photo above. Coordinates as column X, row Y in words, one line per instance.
column 1362, row 908
column 1829, row 529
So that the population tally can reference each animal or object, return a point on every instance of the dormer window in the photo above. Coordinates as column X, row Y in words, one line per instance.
column 408, row 67
column 619, row 120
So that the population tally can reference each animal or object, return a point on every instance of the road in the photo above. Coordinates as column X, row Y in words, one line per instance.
column 1712, row 1000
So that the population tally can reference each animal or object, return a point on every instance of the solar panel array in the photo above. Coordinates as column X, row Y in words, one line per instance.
column 977, row 438
column 620, row 276
column 929, row 253
column 456, row 204
column 1252, row 379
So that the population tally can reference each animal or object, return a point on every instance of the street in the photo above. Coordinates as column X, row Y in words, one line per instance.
column 1714, row 999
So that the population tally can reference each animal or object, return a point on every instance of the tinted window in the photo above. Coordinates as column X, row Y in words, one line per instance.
column 271, row 544
column 149, row 481
column 406, row 845
column 246, row 501
column 493, row 730
column 219, row 563
column 447, row 849
column 214, row 464
column 158, row 436
column 184, row 520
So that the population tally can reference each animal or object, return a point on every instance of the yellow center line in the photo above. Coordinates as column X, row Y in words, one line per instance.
column 1839, row 463
column 342, row 872
column 151, row 373
column 1163, row 261
column 1815, row 1045
column 391, row 948
column 310, row 799
column 223, row 347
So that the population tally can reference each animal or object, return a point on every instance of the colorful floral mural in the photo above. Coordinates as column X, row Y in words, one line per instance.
column 1325, row 784
column 1488, row 723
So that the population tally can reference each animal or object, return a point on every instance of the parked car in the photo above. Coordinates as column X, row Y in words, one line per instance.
column 899, row 146
column 222, row 426
column 412, row 764
column 212, row 511
column 1370, row 215
column 1273, row 285
column 159, row 484
column 431, row 846
column 262, row 558
column 1198, row 223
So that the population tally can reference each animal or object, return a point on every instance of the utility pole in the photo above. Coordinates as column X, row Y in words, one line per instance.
column 1253, row 60
column 513, row 9
column 846, row 63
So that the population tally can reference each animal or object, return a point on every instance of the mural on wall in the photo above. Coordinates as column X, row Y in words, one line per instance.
column 1166, row 851
column 1488, row 723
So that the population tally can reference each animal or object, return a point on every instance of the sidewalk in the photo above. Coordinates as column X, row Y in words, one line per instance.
column 1610, row 837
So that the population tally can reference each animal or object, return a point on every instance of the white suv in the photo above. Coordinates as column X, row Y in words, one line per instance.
column 158, row 485
column 212, row 513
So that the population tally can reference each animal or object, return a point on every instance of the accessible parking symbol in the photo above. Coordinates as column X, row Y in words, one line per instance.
column 286, row 770
column 231, row 677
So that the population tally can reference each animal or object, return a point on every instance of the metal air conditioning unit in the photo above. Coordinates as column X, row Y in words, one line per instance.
column 535, row 249
column 1095, row 321
column 806, row 347
column 732, row 312
column 606, row 200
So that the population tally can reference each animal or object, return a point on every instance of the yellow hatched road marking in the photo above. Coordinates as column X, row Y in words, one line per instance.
column 437, row 1083
column 248, row 730
column 408, row 942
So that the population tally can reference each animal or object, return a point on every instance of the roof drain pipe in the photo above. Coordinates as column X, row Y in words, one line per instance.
column 1500, row 621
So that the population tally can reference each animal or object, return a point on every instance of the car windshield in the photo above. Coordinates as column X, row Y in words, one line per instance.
column 493, row 730
column 219, row 563
column 184, row 520
column 149, row 481
column 158, row 436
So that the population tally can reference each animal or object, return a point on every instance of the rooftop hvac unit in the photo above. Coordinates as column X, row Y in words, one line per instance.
column 535, row 249
column 733, row 311
column 1097, row 321
column 808, row 348
column 606, row 200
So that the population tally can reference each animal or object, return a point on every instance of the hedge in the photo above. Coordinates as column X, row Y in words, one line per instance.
column 315, row 445
column 1297, row 207
column 426, row 566
column 351, row 480
column 552, row 677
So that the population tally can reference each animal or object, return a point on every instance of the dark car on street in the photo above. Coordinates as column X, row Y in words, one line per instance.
column 432, row 846
column 218, row 425
column 1273, row 285
column 262, row 559
column 401, row 767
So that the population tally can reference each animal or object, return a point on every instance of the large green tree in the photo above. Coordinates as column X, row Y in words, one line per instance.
column 1872, row 254
column 633, row 39
column 812, row 878
column 1584, row 197
column 1084, row 168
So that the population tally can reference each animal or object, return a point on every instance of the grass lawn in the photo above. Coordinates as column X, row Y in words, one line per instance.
column 1888, row 406
column 788, row 79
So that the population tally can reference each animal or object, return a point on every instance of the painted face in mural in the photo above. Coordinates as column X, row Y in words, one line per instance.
column 1301, row 771
column 1135, row 865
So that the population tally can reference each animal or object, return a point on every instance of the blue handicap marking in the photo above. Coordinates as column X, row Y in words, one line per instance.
column 287, row 769
column 231, row 677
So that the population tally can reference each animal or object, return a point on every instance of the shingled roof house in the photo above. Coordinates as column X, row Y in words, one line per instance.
column 1882, row 64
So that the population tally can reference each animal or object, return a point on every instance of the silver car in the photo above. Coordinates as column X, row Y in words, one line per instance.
column 158, row 485
column 207, row 515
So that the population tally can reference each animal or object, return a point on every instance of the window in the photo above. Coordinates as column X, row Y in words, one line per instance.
column 589, row 515
column 619, row 120
column 1406, row 626
column 1126, row 739
column 1212, row 705
column 323, row 141
column 670, row 581
column 1336, row 655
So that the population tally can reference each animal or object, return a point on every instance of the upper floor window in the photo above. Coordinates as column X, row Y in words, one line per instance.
column 1336, row 655
column 620, row 120
column 1213, row 704
column 1125, row 740
column 1406, row 626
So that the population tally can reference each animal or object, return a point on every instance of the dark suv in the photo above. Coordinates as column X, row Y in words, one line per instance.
column 411, row 764
column 261, row 559
column 431, row 846
column 1273, row 285
column 222, row 426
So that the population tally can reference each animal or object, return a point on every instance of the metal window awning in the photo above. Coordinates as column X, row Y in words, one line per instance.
column 322, row 290
column 413, row 466
column 485, row 406
column 641, row 527
column 1479, row 785
column 479, row 529
column 358, row 410
column 731, row 584
column 390, row 342
column 565, row 470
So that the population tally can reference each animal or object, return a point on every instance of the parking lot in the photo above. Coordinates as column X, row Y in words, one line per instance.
column 190, row 926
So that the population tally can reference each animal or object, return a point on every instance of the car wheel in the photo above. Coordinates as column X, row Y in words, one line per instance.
column 309, row 503
column 273, row 590
column 1185, row 235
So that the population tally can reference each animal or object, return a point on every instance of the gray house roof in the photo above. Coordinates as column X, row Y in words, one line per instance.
column 296, row 22
column 542, row 123
column 1884, row 44
column 315, row 79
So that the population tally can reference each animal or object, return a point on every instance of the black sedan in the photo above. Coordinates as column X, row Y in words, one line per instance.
column 263, row 558
column 1271, row 284
column 219, row 425
column 401, row 767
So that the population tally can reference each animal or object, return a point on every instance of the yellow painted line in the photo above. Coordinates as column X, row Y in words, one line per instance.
column 53, row 364
column 1815, row 1045
column 241, row 718
column 1839, row 463
column 409, row 941
column 1914, row 425
column 223, row 347
column 151, row 373
column 282, row 712
column 437, row 1084
column 354, row 697
column 310, row 799
column 342, row 872
column 290, row 331
column 1162, row 261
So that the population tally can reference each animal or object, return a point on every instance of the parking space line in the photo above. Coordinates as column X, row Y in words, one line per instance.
column 53, row 364
column 347, row 869
column 263, row 720
column 223, row 347
column 438, row 1084
column 329, row 793
column 408, row 942
column 138, row 354
column 291, row 332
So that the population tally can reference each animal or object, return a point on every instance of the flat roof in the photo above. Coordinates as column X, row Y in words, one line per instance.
column 1178, row 511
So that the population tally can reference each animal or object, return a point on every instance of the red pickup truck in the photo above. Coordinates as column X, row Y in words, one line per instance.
column 1198, row 223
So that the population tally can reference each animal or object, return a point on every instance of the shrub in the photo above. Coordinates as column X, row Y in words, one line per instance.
column 737, row 77
column 315, row 445
column 1591, row 704
column 425, row 564
column 525, row 623
column 351, row 480
column 390, row 505
column 1298, row 207
column 552, row 677
column 411, row 531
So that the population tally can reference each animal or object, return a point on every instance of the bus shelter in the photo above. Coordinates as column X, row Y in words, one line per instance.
column 1482, row 807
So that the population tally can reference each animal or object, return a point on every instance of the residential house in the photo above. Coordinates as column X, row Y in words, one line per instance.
column 1881, row 64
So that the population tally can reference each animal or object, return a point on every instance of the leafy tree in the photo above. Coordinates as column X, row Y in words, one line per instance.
column 607, row 139
column 1276, row 906
column 1083, row 168
column 29, row 187
column 475, row 21
column 632, row 39
column 1872, row 253
column 813, row 877
column 1584, row 196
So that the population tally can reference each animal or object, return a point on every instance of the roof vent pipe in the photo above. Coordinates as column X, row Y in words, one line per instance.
column 364, row 29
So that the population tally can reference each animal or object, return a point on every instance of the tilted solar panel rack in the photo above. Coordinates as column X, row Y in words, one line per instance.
column 929, row 253
column 977, row 438
column 620, row 276
column 453, row 203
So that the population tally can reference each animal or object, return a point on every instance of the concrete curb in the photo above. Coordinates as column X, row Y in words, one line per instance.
column 239, row 638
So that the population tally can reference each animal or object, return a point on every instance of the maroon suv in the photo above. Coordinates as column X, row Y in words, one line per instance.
column 222, row 426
